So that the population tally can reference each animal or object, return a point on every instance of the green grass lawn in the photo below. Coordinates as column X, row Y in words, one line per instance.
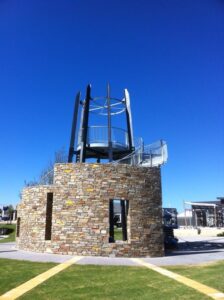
column 210, row 274
column 108, row 282
column 111, row 282
column 118, row 234
column 16, row 272
column 12, row 236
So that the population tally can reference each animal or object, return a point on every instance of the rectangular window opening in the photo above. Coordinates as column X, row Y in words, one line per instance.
column 118, row 212
column 49, row 216
column 18, row 227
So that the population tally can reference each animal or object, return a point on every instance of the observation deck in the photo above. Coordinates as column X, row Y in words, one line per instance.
column 152, row 155
column 97, row 142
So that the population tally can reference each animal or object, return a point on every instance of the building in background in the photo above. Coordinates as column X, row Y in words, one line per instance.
column 7, row 213
column 203, row 214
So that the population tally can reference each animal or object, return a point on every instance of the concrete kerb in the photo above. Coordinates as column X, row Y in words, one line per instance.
column 180, row 257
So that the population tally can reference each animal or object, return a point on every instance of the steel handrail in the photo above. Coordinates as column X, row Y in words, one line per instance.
column 99, row 134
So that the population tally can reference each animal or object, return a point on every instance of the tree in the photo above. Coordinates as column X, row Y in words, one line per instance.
column 10, row 212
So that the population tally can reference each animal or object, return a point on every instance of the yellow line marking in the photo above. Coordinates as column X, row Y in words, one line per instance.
column 32, row 283
column 204, row 289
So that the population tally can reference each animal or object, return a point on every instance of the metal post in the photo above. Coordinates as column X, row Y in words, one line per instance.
column 85, row 121
column 74, row 124
column 129, row 120
column 150, row 153
column 142, row 150
column 110, row 151
column 196, row 218
column 185, row 215
column 161, row 145
column 215, row 215
column 123, row 220
column 111, row 220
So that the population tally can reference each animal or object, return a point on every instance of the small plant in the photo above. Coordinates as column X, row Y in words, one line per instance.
column 220, row 234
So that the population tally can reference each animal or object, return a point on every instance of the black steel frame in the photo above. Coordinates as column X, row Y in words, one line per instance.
column 85, row 150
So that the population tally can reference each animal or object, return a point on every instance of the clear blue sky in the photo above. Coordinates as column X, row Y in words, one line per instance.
column 169, row 54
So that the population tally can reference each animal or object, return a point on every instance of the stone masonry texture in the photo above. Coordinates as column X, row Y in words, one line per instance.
column 80, row 212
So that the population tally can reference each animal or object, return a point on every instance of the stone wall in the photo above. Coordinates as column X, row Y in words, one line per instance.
column 80, row 216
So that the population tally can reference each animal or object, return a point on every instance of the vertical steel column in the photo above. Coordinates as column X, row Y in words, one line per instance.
column 85, row 121
column 129, row 120
column 111, row 221
column 74, row 124
column 123, row 220
column 110, row 151
column 215, row 215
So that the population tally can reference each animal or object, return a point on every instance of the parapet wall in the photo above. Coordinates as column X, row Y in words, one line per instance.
column 80, row 212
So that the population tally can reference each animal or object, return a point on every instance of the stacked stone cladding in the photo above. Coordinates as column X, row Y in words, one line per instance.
column 80, row 216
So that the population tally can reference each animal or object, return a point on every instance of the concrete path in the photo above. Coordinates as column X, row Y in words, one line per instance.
column 192, row 250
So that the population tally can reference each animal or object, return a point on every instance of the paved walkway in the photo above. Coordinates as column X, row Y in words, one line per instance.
column 192, row 250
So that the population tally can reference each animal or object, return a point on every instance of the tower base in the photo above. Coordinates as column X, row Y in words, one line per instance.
column 72, row 216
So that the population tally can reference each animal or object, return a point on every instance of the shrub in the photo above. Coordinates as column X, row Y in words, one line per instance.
column 220, row 234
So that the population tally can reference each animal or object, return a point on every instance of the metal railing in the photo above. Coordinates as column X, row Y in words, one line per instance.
column 152, row 155
column 99, row 135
